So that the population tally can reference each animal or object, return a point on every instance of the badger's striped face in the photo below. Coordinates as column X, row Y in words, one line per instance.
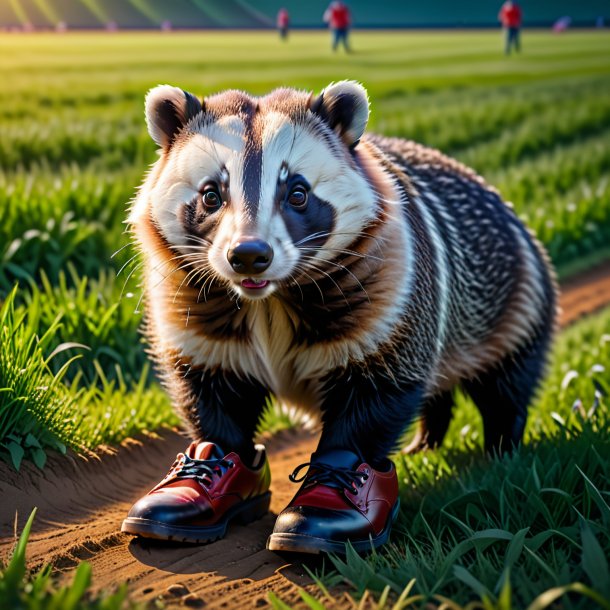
column 260, row 192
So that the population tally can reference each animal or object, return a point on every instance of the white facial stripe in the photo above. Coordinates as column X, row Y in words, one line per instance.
column 203, row 156
column 277, row 142
column 331, row 178
column 174, row 197
column 217, row 145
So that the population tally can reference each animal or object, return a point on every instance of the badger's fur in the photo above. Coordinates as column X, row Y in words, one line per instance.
column 402, row 276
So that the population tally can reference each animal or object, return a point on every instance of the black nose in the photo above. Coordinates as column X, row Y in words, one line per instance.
column 250, row 256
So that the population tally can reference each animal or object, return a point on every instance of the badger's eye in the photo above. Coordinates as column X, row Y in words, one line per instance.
column 297, row 197
column 210, row 196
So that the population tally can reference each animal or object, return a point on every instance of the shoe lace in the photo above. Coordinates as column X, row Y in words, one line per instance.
column 186, row 467
column 330, row 476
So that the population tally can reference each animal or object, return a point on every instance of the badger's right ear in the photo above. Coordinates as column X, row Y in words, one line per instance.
column 168, row 109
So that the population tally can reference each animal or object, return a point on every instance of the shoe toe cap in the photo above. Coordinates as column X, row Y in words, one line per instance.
column 330, row 524
column 169, row 509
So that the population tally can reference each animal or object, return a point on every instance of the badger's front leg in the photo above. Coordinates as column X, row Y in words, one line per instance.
column 221, row 476
column 349, row 489
column 223, row 408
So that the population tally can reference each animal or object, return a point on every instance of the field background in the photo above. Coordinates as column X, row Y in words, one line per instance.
column 73, row 148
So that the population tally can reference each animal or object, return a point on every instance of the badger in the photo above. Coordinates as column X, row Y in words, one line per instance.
column 358, row 277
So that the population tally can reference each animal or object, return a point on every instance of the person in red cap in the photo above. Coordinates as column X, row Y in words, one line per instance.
column 511, row 17
column 283, row 22
column 339, row 20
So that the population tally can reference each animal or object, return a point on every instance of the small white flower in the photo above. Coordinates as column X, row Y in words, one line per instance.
column 571, row 207
column 568, row 378
column 604, row 339
column 597, row 368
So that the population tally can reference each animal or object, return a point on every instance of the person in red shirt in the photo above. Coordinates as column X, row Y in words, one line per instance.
column 283, row 22
column 339, row 20
column 510, row 16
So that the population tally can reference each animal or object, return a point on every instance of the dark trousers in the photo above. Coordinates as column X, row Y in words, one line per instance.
column 340, row 37
column 512, row 40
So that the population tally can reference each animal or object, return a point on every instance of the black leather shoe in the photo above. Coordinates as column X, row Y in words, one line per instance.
column 341, row 499
column 201, row 494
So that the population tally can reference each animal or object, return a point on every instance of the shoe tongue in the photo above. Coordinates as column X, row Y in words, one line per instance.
column 338, row 458
column 205, row 451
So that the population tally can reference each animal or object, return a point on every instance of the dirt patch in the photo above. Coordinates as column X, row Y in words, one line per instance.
column 585, row 293
column 81, row 503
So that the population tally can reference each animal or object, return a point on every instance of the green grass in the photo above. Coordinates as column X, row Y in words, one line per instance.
column 41, row 409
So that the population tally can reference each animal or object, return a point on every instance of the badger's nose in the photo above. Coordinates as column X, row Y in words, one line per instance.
column 250, row 256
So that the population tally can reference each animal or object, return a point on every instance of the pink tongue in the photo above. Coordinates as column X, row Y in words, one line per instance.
column 248, row 283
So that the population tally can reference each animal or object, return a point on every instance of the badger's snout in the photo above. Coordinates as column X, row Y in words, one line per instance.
column 250, row 256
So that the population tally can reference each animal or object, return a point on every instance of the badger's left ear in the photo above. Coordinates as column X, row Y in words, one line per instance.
column 168, row 109
column 345, row 107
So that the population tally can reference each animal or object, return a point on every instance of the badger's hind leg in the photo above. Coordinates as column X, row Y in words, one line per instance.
column 503, row 393
column 436, row 413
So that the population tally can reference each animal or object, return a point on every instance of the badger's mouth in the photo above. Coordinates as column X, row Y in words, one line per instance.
column 253, row 284
column 254, row 289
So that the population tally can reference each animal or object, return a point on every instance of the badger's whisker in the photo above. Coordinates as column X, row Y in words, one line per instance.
column 316, row 268
column 344, row 268
column 301, row 270
column 120, row 249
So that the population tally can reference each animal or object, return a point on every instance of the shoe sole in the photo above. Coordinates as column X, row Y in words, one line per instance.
column 244, row 513
column 301, row 543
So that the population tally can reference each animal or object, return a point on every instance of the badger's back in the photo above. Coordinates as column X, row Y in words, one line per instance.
column 494, row 285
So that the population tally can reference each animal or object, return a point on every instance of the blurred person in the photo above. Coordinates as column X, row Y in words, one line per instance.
column 562, row 24
column 283, row 23
column 338, row 18
column 511, row 18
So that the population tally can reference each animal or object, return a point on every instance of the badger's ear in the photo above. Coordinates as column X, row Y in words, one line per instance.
column 168, row 109
column 345, row 107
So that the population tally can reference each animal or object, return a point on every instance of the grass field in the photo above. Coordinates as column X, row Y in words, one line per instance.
column 73, row 148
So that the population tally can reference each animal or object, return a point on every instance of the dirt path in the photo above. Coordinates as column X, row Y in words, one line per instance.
column 81, row 504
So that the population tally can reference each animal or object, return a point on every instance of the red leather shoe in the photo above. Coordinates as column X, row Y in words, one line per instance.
column 341, row 499
column 203, row 491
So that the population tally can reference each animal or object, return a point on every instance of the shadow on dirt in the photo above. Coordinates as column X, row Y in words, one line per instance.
column 241, row 554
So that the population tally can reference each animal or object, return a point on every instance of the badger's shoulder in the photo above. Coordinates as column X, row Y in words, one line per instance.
column 417, row 158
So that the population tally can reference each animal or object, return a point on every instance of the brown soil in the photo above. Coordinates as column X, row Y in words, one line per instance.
column 81, row 503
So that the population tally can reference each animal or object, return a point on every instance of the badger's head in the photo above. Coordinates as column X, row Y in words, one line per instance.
column 259, row 192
